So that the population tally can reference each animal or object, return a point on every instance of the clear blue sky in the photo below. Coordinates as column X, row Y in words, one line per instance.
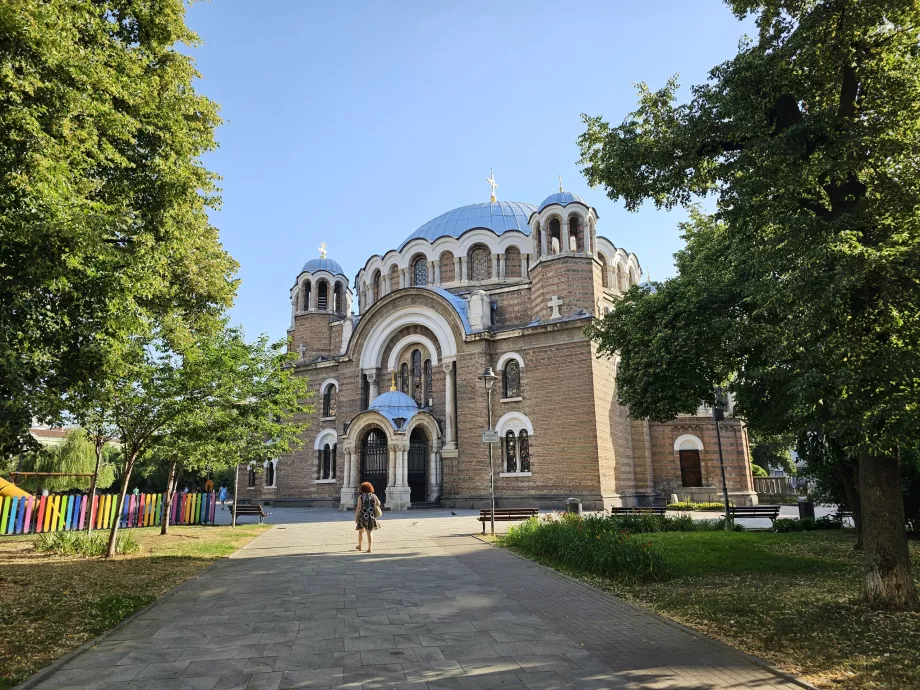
column 355, row 122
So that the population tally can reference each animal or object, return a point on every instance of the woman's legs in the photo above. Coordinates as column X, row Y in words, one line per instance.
column 370, row 540
column 360, row 538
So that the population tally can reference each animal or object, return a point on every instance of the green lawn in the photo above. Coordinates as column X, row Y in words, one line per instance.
column 52, row 604
column 792, row 599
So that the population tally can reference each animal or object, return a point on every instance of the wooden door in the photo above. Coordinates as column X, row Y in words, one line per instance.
column 691, row 473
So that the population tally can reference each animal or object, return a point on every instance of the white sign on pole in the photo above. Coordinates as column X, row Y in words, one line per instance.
column 490, row 437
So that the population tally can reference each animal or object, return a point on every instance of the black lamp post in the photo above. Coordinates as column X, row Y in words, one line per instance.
column 718, row 415
column 488, row 378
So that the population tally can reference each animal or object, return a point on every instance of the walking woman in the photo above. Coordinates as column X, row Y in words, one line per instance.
column 366, row 514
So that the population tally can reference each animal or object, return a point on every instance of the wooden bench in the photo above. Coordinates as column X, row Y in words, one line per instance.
column 771, row 512
column 637, row 510
column 842, row 513
column 506, row 515
column 250, row 510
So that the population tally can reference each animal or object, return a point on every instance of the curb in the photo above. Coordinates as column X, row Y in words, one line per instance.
column 43, row 673
column 757, row 661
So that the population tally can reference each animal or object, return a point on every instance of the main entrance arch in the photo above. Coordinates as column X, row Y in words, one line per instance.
column 374, row 454
column 418, row 465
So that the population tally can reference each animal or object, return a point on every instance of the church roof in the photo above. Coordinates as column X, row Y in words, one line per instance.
column 497, row 216
column 561, row 198
column 393, row 404
column 314, row 265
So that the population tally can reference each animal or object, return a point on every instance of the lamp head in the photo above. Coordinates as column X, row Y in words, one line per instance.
column 488, row 378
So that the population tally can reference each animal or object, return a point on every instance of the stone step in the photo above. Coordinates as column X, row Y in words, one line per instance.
column 424, row 505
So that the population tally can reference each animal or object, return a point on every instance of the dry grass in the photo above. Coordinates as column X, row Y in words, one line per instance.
column 52, row 604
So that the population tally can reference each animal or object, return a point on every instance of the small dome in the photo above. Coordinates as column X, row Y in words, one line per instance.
column 393, row 404
column 314, row 265
column 497, row 216
column 561, row 198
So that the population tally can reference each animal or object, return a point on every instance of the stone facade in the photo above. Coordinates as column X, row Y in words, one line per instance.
column 410, row 409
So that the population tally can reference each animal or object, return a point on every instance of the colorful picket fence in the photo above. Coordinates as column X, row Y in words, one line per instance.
column 56, row 513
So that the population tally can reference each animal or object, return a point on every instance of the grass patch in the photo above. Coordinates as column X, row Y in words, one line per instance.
column 54, row 603
column 789, row 598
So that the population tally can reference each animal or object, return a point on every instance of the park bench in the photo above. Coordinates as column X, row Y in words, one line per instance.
column 506, row 515
column 637, row 510
column 250, row 510
column 771, row 512
column 842, row 513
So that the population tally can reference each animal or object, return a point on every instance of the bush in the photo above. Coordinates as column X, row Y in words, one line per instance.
column 758, row 471
column 805, row 525
column 636, row 524
column 592, row 544
column 690, row 505
column 82, row 544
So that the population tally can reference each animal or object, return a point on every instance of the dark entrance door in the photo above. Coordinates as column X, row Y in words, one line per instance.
column 374, row 462
column 691, row 473
column 418, row 465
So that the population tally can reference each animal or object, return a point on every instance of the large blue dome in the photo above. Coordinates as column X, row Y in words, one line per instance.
column 561, row 198
column 394, row 404
column 497, row 216
column 314, row 265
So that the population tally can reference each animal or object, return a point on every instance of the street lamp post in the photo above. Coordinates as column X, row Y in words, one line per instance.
column 718, row 415
column 488, row 380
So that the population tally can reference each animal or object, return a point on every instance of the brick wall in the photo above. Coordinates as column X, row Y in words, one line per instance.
column 571, row 278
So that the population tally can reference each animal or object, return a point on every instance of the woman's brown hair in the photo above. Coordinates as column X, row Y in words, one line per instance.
column 366, row 488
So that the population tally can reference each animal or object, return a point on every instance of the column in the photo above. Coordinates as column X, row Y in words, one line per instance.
column 391, row 469
column 403, row 278
column 463, row 263
column 403, row 465
column 456, row 269
column 349, row 482
column 543, row 241
column 374, row 387
column 434, row 481
column 355, row 466
column 313, row 292
column 386, row 284
column 566, row 242
column 449, row 420
column 437, row 272
column 525, row 266
column 501, row 266
column 494, row 266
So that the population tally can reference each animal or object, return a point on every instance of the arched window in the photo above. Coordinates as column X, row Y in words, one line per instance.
column 365, row 392
column 512, row 379
column 428, row 392
column 338, row 299
column 417, row 377
column 252, row 477
column 605, row 278
column 322, row 295
column 326, row 462
column 377, row 286
column 447, row 267
column 420, row 271
column 525, row 450
column 330, row 401
column 538, row 239
column 480, row 264
column 305, row 295
column 335, row 447
column 297, row 302
column 394, row 278
column 269, row 473
column 554, row 239
column 404, row 378
column 510, row 452
column 513, row 264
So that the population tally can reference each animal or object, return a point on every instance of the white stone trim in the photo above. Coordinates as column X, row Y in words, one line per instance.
column 514, row 421
column 517, row 398
column 414, row 339
column 505, row 357
column 274, row 464
column 697, row 443
column 515, row 474
column 322, row 388
column 325, row 481
column 327, row 435
column 374, row 344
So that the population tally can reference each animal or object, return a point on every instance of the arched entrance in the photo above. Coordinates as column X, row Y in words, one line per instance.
column 418, row 465
column 374, row 461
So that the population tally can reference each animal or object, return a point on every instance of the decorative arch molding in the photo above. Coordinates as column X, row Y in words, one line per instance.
column 329, row 436
column 427, row 422
column 362, row 423
column 514, row 421
column 504, row 360
column 322, row 388
column 690, row 439
column 380, row 332
column 413, row 339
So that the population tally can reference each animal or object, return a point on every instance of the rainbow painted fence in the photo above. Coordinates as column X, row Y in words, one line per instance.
column 56, row 513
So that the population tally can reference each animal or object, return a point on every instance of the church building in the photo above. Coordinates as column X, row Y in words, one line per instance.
column 399, row 397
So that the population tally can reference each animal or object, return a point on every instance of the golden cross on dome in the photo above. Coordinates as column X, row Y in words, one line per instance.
column 322, row 251
column 560, row 184
column 492, row 183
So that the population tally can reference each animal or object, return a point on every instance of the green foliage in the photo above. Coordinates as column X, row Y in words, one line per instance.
column 104, row 230
column 758, row 471
column 77, row 455
column 83, row 544
column 592, row 544
column 690, row 505
column 772, row 451
column 805, row 524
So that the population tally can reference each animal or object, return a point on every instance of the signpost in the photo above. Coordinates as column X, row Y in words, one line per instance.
column 490, row 437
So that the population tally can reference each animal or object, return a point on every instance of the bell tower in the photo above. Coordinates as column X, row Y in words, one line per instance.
column 320, row 309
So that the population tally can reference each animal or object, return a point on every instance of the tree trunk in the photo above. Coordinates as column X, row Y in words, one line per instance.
column 889, row 583
column 850, row 476
column 92, row 489
column 113, row 532
column 167, row 502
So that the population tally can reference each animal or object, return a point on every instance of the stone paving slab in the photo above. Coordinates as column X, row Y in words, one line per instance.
column 431, row 608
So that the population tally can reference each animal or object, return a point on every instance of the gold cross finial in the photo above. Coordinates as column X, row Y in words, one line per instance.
column 492, row 183
column 560, row 184
column 393, row 382
column 322, row 251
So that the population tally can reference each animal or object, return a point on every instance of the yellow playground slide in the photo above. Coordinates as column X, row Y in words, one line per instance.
column 8, row 489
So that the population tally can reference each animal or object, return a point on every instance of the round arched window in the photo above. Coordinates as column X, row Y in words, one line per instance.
column 420, row 271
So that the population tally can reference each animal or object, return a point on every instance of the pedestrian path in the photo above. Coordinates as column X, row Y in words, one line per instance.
column 431, row 608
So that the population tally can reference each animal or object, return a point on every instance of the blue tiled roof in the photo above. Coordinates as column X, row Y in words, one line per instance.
column 393, row 404
column 458, row 303
column 561, row 198
column 497, row 216
column 314, row 265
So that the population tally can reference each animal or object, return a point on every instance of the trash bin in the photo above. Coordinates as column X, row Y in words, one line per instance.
column 806, row 509
column 573, row 505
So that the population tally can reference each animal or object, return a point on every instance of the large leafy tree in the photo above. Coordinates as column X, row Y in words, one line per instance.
column 804, row 284
column 104, row 231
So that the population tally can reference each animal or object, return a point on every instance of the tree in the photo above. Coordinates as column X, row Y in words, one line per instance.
column 77, row 456
column 802, row 285
column 104, row 232
column 772, row 451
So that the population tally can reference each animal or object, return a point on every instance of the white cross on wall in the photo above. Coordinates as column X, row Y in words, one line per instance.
column 555, row 303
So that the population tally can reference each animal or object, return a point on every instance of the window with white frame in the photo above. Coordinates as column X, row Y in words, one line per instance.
column 516, row 448
column 269, row 473
column 330, row 400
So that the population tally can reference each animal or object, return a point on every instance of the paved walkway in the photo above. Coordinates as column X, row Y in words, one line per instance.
column 431, row 608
